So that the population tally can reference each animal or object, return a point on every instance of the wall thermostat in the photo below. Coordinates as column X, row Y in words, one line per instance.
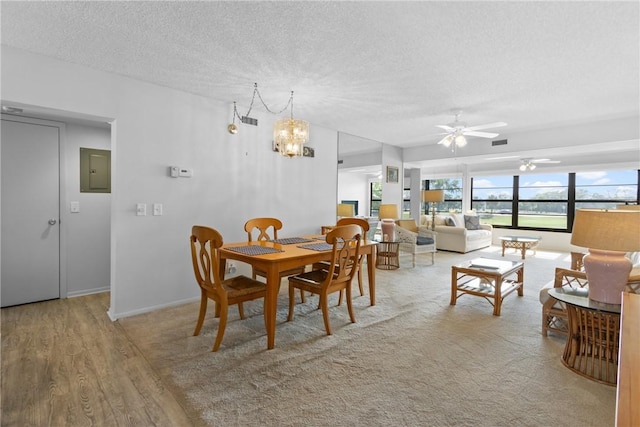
column 178, row 172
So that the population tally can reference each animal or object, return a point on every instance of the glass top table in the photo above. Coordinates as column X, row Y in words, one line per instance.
column 492, row 279
column 522, row 243
column 592, row 345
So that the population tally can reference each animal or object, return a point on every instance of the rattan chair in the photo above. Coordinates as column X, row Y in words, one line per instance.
column 267, row 229
column 554, row 313
column 415, row 240
column 345, row 261
column 205, row 242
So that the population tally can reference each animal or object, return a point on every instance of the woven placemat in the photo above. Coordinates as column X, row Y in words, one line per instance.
column 292, row 240
column 254, row 250
column 317, row 246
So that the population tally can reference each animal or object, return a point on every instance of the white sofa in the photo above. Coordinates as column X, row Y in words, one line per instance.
column 457, row 237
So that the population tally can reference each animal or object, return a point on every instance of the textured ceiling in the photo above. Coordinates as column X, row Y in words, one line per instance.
column 387, row 71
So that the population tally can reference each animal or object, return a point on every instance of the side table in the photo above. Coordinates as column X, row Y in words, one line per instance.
column 387, row 258
column 593, row 339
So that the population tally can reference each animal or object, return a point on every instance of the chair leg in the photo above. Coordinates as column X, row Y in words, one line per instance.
column 350, row 304
column 433, row 258
column 203, row 311
column 241, row 310
column 414, row 260
column 360, row 284
column 302, row 298
column 324, row 303
column 224, row 309
column 292, row 293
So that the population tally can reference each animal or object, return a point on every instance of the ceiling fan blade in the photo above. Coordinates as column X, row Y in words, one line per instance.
column 480, row 134
column 445, row 127
column 487, row 126
column 544, row 161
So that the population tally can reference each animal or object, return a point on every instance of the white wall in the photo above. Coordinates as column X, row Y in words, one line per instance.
column 236, row 176
column 88, row 231
column 354, row 186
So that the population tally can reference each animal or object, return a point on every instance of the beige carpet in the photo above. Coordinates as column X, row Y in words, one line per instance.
column 412, row 359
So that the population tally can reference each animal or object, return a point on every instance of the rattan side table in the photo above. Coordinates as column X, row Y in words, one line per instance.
column 387, row 257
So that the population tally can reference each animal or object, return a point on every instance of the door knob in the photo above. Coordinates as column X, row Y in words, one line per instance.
column 52, row 221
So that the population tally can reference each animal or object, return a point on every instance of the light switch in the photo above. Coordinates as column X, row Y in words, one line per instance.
column 75, row 207
column 157, row 209
column 141, row 209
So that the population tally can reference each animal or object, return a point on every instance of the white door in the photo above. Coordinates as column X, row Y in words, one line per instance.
column 30, row 212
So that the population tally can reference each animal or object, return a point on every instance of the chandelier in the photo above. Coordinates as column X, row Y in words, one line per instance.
column 289, row 134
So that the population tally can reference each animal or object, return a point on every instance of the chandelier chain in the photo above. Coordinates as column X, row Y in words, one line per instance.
column 253, row 97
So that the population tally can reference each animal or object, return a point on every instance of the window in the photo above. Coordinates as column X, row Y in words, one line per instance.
column 452, row 194
column 606, row 189
column 492, row 199
column 542, row 201
column 375, row 198
column 406, row 203
column 549, row 201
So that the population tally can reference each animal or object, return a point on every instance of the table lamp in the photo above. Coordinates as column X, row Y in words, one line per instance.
column 346, row 210
column 387, row 214
column 433, row 197
column 608, row 234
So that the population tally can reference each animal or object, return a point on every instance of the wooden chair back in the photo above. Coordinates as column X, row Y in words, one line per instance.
column 263, row 225
column 363, row 223
column 205, row 242
column 345, row 254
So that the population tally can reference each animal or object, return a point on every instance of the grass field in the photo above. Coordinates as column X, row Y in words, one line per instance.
column 534, row 221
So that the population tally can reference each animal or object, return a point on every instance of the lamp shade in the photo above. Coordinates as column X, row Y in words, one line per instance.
column 433, row 195
column 611, row 230
column 388, row 212
column 345, row 209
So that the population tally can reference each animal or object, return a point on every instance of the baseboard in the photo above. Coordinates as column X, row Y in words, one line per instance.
column 115, row 316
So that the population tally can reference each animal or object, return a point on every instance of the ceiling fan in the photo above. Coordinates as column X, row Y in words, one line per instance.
column 456, row 132
column 530, row 164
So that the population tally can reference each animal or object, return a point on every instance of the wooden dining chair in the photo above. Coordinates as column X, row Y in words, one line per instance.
column 345, row 262
column 364, row 225
column 205, row 242
column 267, row 229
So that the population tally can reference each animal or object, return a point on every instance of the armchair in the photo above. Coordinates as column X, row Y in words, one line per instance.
column 415, row 240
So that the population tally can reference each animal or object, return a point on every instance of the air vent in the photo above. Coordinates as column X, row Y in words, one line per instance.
column 499, row 142
column 340, row 162
column 249, row 121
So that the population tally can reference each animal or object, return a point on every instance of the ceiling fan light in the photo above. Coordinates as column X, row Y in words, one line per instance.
column 532, row 166
column 447, row 141
column 460, row 140
column 523, row 167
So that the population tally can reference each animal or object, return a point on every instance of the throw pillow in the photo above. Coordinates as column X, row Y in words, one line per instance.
column 449, row 221
column 472, row 222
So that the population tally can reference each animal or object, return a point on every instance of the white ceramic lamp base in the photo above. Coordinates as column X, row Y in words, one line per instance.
column 607, row 273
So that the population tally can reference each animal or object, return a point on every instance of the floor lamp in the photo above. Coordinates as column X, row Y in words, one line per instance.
column 433, row 197
column 608, row 234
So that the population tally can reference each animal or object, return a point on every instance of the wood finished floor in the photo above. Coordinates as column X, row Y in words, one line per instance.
column 65, row 363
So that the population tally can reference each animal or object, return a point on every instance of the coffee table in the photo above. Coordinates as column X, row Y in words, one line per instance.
column 520, row 242
column 488, row 278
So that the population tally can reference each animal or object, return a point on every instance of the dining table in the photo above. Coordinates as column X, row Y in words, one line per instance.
column 279, row 255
